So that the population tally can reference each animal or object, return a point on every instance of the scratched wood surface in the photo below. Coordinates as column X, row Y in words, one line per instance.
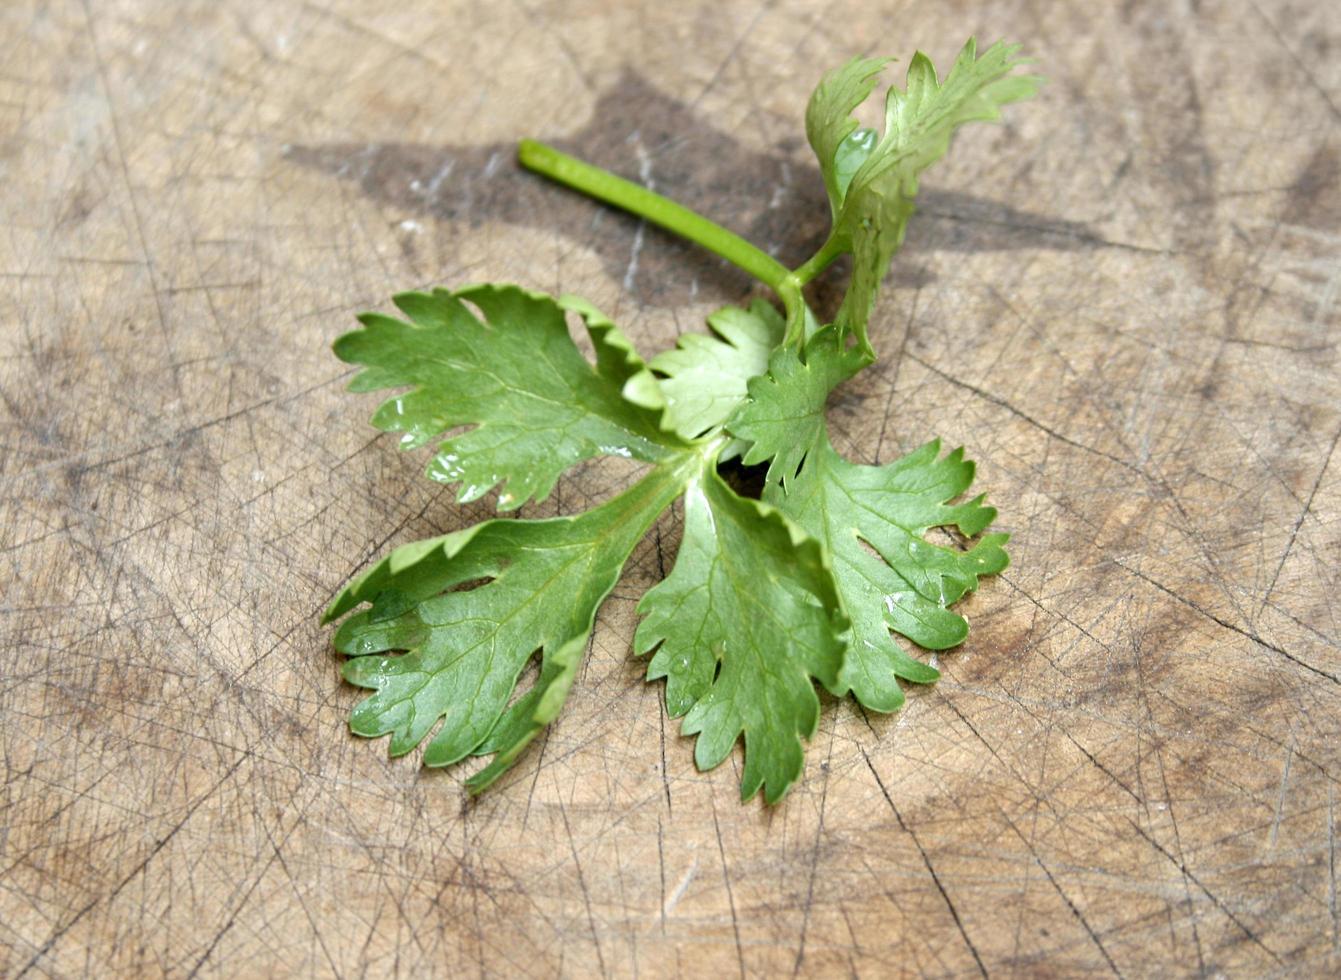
column 1123, row 303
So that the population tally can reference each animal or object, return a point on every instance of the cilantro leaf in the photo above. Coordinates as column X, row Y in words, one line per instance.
column 784, row 415
column 908, row 584
column 705, row 376
column 460, row 650
column 536, row 404
column 830, row 125
column 872, row 180
column 703, row 380
column 903, row 583
column 746, row 621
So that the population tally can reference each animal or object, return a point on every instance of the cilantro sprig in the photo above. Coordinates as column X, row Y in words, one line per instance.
column 809, row 584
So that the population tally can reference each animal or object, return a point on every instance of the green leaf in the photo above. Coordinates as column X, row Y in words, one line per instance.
column 830, row 124
column 745, row 623
column 459, row 646
column 905, row 584
column 872, row 521
column 536, row 404
column 703, row 380
column 784, row 415
column 872, row 182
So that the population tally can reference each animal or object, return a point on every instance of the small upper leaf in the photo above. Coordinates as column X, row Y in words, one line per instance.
column 830, row 124
column 744, row 624
column 871, row 182
column 536, row 404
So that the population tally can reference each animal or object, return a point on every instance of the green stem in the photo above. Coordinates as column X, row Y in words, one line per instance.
column 817, row 263
column 605, row 186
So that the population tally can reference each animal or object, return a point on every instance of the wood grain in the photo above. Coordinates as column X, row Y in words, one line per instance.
column 1123, row 303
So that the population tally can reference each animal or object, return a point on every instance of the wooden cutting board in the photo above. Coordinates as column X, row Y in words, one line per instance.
column 1123, row 303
